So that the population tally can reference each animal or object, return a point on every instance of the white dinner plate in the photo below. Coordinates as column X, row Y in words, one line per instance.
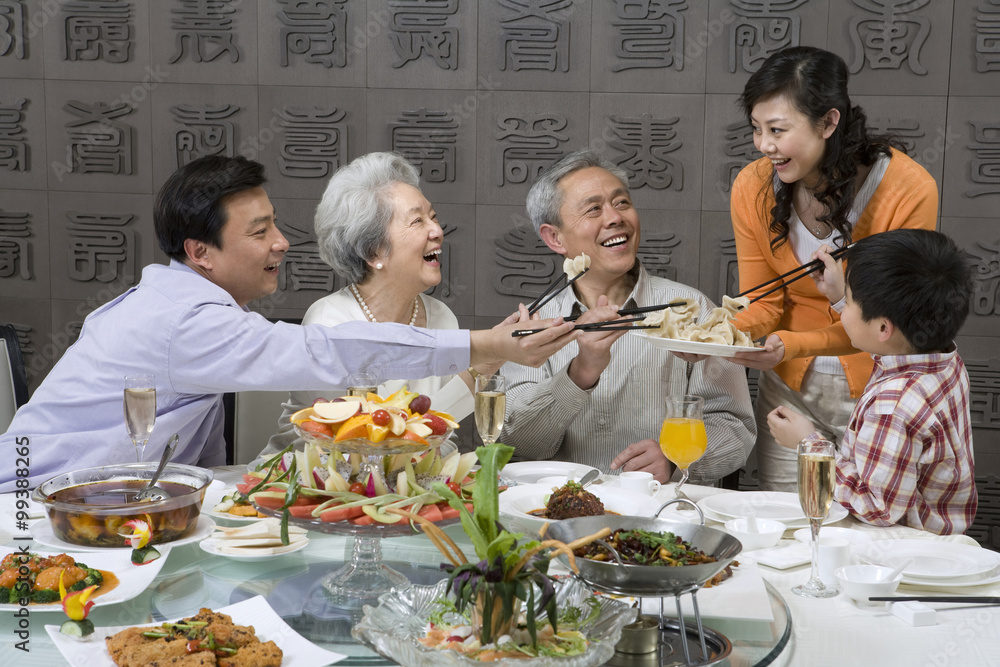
column 529, row 472
column 132, row 579
column 694, row 347
column 516, row 502
column 853, row 536
column 214, row 497
column 949, row 584
column 210, row 545
column 775, row 505
column 933, row 560
column 42, row 533
column 297, row 650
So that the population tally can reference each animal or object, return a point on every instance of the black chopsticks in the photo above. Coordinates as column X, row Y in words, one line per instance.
column 967, row 599
column 612, row 325
column 637, row 311
column 549, row 294
column 806, row 269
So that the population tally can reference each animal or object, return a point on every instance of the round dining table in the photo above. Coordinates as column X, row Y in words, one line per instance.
column 833, row 631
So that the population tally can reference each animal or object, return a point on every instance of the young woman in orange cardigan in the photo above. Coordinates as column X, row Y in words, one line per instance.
column 824, row 179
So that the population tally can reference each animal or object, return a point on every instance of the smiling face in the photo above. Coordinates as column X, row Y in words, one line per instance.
column 597, row 219
column 246, row 265
column 789, row 138
column 415, row 237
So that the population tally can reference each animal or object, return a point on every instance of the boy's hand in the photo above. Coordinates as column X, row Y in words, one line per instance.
column 829, row 281
column 788, row 427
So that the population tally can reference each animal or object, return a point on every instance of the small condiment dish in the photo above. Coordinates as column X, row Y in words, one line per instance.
column 768, row 532
column 861, row 582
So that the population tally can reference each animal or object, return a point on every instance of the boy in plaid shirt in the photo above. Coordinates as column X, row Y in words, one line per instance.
column 907, row 454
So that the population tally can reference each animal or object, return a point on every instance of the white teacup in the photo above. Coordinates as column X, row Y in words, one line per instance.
column 640, row 481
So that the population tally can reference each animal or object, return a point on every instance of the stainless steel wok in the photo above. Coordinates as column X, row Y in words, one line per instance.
column 648, row 580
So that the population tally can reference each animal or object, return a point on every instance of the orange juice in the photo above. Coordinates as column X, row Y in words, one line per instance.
column 683, row 440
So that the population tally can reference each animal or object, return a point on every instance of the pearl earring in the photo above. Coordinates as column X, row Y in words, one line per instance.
column 378, row 265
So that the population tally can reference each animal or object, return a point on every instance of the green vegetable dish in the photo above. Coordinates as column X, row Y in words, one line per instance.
column 41, row 583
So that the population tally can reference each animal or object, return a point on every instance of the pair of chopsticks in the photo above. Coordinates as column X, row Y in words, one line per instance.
column 967, row 599
column 549, row 294
column 637, row 311
column 806, row 269
column 616, row 325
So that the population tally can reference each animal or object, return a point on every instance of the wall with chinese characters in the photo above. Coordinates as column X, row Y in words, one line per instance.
column 101, row 99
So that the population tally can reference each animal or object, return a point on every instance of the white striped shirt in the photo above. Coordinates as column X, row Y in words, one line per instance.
column 549, row 417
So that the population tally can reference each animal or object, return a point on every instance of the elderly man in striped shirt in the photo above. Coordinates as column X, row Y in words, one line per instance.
column 599, row 401
column 907, row 454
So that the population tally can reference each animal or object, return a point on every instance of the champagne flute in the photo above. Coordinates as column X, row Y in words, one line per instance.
column 682, row 436
column 140, row 410
column 361, row 384
column 491, row 406
column 816, row 479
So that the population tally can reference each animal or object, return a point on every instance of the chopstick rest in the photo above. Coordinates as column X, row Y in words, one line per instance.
column 916, row 614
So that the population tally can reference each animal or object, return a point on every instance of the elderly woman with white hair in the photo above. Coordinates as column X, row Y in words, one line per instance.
column 378, row 231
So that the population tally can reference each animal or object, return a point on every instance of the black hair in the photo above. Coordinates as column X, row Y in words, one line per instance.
column 815, row 81
column 918, row 279
column 191, row 204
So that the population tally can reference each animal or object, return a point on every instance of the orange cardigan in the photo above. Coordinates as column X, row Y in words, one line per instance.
column 799, row 314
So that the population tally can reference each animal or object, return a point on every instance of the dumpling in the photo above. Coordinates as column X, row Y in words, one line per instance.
column 735, row 305
column 576, row 266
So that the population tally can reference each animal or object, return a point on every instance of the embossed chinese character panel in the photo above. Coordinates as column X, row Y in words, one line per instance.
column 206, row 41
column 971, row 184
column 525, row 133
column 99, row 40
column 975, row 48
column 22, row 135
column 24, row 245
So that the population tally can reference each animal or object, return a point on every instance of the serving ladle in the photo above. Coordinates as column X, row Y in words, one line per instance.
column 151, row 493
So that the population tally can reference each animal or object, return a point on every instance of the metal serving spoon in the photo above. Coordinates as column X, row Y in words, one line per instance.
column 151, row 492
column 589, row 477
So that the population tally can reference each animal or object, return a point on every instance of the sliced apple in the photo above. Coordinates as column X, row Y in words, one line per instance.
column 339, row 411
column 397, row 424
column 419, row 428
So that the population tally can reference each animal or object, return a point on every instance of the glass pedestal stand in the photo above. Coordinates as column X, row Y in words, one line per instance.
column 366, row 577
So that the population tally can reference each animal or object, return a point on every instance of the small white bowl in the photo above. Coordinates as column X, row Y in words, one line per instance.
column 860, row 582
column 768, row 533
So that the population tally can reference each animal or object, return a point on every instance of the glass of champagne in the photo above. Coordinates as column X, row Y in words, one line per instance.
column 682, row 436
column 816, row 479
column 140, row 410
column 361, row 384
column 491, row 406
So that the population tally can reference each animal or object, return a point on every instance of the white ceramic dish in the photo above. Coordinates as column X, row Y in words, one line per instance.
column 950, row 584
column 850, row 534
column 776, row 505
column 529, row 472
column 933, row 560
column 516, row 502
column 767, row 535
column 42, row 533
column 860, row 582
column 132, row 579
column 694, row 347
column 298, row 651
column 210, row 545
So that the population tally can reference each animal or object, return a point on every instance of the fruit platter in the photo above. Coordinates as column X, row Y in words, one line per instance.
column 397, row 424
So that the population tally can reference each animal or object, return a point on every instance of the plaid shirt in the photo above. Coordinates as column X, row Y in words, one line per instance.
column 907, row 454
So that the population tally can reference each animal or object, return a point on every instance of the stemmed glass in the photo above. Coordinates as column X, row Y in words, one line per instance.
column 816, row 478
column 682, row 436
column 361, row 384
column 491, row 406
column 140, row 410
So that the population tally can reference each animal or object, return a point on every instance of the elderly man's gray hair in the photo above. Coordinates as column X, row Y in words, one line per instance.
column 352, row 219
column 545, row 197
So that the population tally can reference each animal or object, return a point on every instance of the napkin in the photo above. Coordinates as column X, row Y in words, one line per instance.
column 782, row 556
column 741, row 597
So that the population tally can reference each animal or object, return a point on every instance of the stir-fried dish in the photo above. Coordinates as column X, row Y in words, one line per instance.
column 569, row 502
column 41, row 583
column 643, row 547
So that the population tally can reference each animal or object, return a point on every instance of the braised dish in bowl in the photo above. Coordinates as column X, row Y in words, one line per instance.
column 88, row 507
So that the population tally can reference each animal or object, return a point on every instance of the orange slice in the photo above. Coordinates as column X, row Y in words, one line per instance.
column 355, row 427
column 374, row 398
column 302, row 415
column 377, row 433
column 410, row 435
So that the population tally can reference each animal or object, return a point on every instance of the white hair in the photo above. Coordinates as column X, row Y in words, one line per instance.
column 352, row 219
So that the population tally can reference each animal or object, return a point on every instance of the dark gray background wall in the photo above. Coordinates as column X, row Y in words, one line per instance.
column 101, row 99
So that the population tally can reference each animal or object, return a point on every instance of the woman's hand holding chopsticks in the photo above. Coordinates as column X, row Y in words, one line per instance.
column 829, row 281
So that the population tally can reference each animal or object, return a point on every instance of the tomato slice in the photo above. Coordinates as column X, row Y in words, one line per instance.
column 303, row 511
column 431, row 513
column 363, row 520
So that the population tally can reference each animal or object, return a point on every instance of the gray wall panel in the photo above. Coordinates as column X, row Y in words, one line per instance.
column 22, row 135
column 25, row 270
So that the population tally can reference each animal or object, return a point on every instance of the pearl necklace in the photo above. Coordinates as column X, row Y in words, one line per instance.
column 368, row 312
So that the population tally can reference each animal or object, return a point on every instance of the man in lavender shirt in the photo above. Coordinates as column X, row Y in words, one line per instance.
column 187, row 323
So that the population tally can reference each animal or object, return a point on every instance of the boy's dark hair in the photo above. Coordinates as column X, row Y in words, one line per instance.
column 917, row 279
column 191, row 204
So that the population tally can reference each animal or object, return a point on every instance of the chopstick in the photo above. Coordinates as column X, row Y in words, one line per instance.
column 549, row 294
column 636, row 311
column 613, row 325
column 969, row 599
column 806, row 268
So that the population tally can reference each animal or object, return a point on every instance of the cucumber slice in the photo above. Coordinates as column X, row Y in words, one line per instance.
column 77, row 628
column 144, row 555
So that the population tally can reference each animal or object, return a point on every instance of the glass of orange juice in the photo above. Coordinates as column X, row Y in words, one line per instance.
column 682, row 437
